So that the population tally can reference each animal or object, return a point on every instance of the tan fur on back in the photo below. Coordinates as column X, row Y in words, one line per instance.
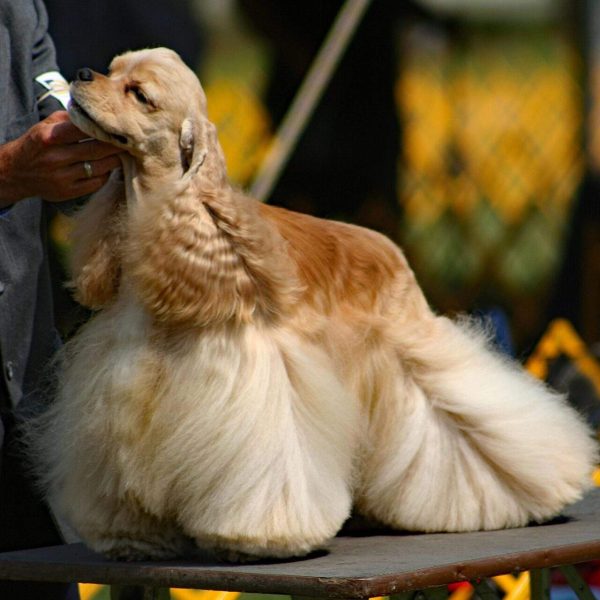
column 253, row 373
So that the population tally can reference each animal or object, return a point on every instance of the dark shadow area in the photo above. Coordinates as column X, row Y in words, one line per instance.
column 558, row 520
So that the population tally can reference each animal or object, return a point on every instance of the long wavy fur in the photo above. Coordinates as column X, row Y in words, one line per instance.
column 254, row 373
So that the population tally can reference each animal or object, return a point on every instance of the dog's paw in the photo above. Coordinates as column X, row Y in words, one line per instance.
column 136, row 550
column 236, row 556
column 252, row 550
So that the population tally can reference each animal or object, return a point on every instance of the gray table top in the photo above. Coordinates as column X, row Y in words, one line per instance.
column 353, row 566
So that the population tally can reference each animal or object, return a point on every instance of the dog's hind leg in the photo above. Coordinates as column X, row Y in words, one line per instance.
column 461, row 439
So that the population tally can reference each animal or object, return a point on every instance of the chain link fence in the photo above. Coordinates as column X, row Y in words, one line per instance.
column 491, row 161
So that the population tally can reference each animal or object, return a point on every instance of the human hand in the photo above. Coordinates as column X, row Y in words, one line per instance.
column 48, row 161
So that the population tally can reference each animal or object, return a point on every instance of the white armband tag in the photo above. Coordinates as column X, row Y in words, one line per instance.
column 56, row 85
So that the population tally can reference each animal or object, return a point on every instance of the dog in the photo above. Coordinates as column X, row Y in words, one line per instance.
column 251, row 374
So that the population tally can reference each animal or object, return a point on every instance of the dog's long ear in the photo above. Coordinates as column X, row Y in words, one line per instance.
column 187, row 142
column 191, row 145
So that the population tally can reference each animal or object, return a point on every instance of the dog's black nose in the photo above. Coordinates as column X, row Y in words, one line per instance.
column 85, row 75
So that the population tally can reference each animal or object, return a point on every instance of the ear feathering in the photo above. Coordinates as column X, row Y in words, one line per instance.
column 216, row 260
column 208, row 155
column 186, row 143
column 97, row 237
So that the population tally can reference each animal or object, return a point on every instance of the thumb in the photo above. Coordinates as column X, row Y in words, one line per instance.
column 60, row 116
column 62, row 130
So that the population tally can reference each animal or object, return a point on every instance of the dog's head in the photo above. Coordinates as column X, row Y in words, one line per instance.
column 151, row 105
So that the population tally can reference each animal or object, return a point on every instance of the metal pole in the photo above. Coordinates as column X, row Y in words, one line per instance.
column 307, row 97
column 539, row 584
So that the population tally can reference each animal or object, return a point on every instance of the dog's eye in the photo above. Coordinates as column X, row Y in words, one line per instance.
column 139, row 95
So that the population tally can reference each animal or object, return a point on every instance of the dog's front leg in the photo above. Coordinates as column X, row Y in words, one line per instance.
column 266, row 466
column 118, row 527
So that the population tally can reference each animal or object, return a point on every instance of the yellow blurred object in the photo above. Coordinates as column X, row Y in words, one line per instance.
column 243, row 127
column 481, row 119
column 60, row 231
column 87, row 591
column 514, row 588
column 521, row 589
column 506, row 583
column 561, row 338
column 186, row 594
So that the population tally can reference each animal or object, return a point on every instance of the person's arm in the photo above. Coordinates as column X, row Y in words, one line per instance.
column 48, row 161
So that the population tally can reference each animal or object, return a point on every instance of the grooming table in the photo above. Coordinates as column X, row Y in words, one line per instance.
column 354, row 565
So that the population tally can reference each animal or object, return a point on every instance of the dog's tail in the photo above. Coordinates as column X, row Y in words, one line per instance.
column 462, row 439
